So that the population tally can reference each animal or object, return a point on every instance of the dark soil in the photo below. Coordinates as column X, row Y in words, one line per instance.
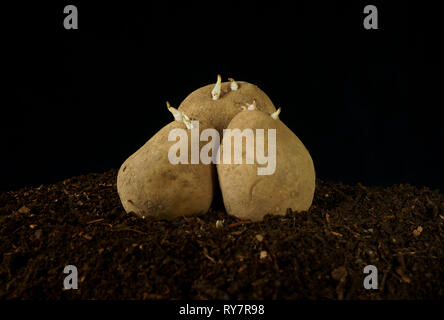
column 316, row 254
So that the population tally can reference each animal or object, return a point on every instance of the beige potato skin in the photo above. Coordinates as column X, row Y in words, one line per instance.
column 149, row 185
column 248, row 195
column 199, row 104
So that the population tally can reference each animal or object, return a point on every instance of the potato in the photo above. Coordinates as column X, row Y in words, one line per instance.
column 218, row 104
column 149, row 184
column 250, row 191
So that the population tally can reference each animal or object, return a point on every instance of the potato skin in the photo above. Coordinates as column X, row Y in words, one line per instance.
column 200, row 105
column 248, row 195
column 149, row 185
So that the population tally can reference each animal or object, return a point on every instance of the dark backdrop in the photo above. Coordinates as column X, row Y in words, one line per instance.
column 367, row 104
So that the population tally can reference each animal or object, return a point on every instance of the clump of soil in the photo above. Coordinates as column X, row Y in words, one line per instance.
column 316, row 254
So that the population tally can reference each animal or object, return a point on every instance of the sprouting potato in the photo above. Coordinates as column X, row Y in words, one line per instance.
column 148, row 184
column 218, row 104
column 250, row 191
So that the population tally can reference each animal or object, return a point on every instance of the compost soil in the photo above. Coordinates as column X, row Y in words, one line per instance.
column 319, row 254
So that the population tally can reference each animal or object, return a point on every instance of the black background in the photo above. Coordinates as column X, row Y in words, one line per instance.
column 366, row 103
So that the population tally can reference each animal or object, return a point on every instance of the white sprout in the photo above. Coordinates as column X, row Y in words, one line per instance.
column 275, row 115
column 215, row 93
column 176, row 113
column 233, row 86
column 252, row 106
column 187, row 121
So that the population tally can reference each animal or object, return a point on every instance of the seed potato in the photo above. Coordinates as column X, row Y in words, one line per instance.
column 218, row 104
column 149, row 185
column 248, row 195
